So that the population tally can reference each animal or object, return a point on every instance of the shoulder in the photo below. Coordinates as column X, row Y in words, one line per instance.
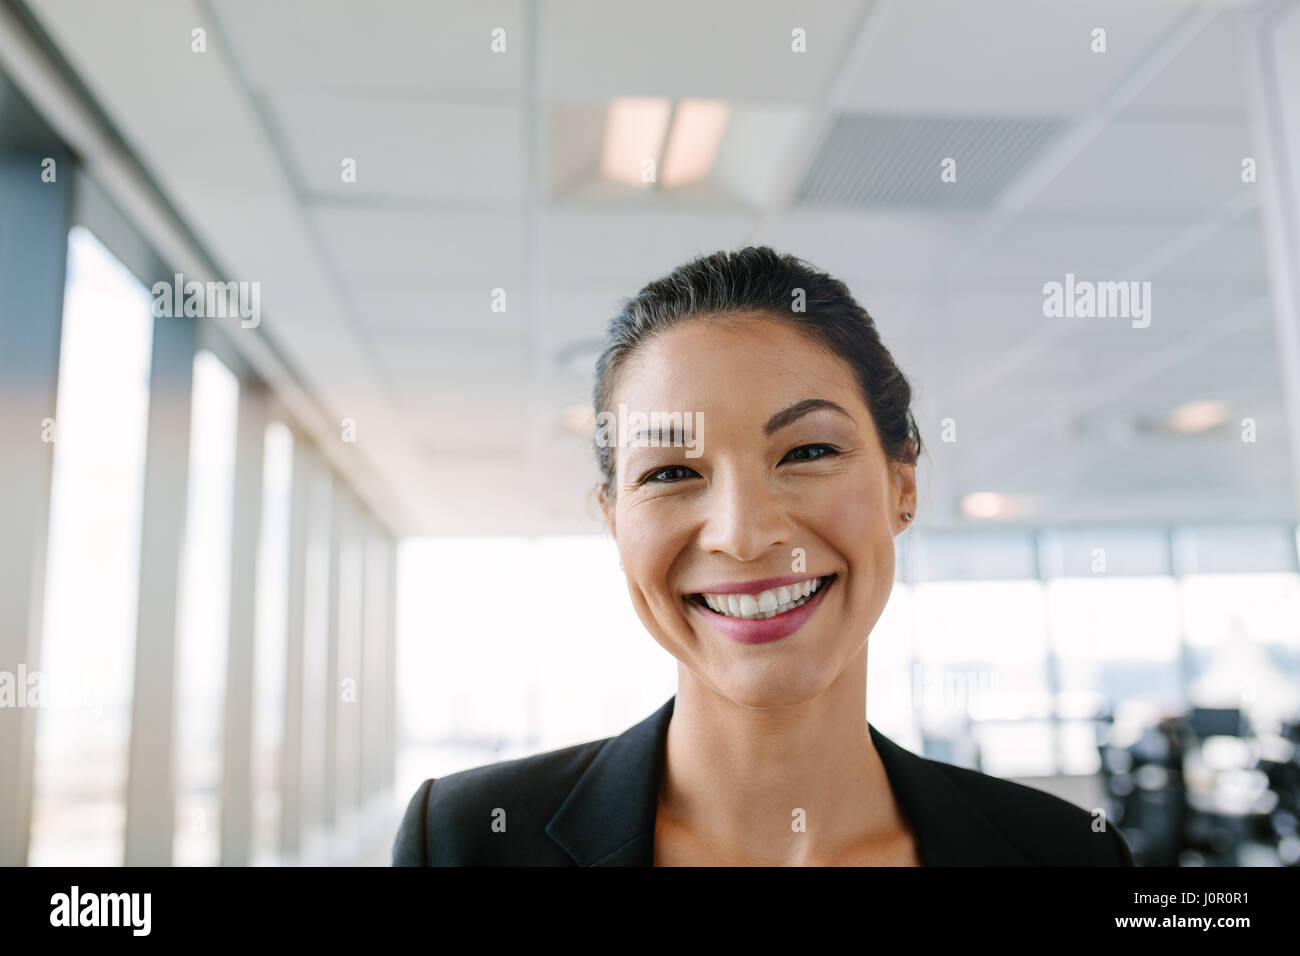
column 452, row 820
column 1045, row 829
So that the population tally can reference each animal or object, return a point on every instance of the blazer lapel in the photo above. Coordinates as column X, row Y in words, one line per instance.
column 950, row 830
column 608, row 818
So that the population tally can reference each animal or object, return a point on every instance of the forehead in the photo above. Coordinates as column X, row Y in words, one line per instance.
column 702, row 362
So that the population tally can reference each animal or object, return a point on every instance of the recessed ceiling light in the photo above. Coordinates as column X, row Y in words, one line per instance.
column 991, row 504
column 1192, row 417
column 634, row 133
column 982, row 504
column 694, row 141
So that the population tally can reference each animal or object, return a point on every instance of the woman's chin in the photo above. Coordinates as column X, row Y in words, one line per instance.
column 756, row 680
column 749, row 687
column 766, row 699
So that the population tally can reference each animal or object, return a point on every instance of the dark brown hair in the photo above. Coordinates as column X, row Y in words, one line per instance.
column 759, row 279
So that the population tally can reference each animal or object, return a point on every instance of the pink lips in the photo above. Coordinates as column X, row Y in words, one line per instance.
column 753, row 587
column 763, row 630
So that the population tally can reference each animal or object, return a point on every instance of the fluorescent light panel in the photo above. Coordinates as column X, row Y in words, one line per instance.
column 636, row 130
column 694, row 142
column 1194, row 417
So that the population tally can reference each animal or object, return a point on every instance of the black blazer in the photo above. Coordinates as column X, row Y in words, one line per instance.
column 594, row 805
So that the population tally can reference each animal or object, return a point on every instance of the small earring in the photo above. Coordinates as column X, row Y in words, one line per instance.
column 620, row 565
column 907, row 516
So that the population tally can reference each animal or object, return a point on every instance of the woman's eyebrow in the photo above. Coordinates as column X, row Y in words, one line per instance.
column 788, row 416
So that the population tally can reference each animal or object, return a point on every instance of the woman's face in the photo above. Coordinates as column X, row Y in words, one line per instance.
column 787, row 480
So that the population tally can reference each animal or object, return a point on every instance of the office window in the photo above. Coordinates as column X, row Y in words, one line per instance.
column 348, row 691
column 1117, row 637
column 1243, row 641
column 91, row 586
column 315, row 663
column 589, row 667
column 538, row 673
column 893, row 697
column 982, row 650
column 981, row 656
column 204, row 613
column 1078, row 747
column 1016, row 748
column 271, row 640
column 374, row 662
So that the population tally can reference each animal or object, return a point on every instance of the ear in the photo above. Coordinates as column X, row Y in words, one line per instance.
column 903, row 495
column 606, row 509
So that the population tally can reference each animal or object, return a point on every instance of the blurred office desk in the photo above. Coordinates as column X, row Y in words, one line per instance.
column 1230, row 804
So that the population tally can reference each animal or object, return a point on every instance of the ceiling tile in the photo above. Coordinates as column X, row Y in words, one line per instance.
column 395, row 47
column 1001, row 57
column 729, row 50
column 369, row 244
column 404, row 150
column 1146, row 164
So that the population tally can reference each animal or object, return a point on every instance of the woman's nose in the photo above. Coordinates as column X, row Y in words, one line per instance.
column 744, row 517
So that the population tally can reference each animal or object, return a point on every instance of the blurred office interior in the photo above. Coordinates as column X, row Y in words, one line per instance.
column 275, row 569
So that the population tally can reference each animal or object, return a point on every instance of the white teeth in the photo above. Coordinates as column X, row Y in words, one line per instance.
column 764, row 604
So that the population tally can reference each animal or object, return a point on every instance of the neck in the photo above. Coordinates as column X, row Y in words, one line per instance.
column 734, row 775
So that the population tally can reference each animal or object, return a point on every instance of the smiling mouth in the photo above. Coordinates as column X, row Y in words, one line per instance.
column 764, row 604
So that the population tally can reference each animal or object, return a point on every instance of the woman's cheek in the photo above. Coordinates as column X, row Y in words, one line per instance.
column 850, row 519
column 651, row 540
column 649, row 534
column 855, row 526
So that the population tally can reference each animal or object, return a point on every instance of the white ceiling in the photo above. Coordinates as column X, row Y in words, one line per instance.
column 471, row 178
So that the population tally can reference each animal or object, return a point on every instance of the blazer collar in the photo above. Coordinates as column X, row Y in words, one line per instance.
column 608, row 818
column 950, row 830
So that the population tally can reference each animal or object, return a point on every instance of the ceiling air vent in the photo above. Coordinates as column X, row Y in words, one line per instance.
column 871, row 161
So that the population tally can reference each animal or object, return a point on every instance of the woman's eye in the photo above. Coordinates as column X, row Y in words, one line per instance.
column 809, row 452
column 677, row 473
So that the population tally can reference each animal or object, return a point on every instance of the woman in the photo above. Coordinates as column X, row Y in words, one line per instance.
column 765, row 459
